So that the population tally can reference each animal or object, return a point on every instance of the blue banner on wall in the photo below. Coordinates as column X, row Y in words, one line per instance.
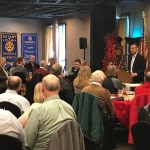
column 9, row 46
column 29, row 46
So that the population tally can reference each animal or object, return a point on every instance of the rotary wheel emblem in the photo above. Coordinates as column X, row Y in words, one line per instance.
column 9, row 46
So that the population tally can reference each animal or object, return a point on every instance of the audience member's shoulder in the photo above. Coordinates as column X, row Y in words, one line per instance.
column 105, row 90
column 65, row 103
column 115, row 79
column 22, row 98
column 27, row 64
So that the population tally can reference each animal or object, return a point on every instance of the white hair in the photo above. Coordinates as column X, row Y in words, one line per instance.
column 98, row 76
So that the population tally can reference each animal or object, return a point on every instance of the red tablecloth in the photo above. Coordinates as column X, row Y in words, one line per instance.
column 121, row 111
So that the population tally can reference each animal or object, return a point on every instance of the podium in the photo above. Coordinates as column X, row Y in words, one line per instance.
column 124, row 76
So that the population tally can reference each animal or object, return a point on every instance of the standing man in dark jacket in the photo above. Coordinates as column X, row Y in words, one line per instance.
column 136, row 64
column 32, row 66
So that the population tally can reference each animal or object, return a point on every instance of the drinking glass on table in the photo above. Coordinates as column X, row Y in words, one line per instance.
column 30, row 74
column 120, row 92
column 126, row 90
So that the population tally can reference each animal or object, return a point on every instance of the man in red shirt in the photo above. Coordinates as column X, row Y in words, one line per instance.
column 42, row 70
column 144, row 88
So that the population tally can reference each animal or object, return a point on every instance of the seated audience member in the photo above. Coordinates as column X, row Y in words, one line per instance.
column 36, row 78
column 82, row 79
column 8, row 66
column 111, row 82
column 20, row 67
column 31, row 65
column 14, row 65
column 44, row 120
column 66, row 90
column 42, row 70
column 106, row 106
column 11, row 95
column 51, row 63
column 144, row 88
column 83, row 62
column 74, row 70
column 95, row 87
column 38, row 99
column 3, row 75
column 9, row 125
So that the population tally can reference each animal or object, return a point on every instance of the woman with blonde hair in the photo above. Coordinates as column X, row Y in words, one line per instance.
column 82, row 79
column 38, row 100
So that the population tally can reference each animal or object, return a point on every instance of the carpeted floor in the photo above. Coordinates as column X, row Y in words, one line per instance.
column 123, row 146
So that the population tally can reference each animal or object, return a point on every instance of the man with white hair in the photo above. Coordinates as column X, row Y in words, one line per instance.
column 106, row 106
column 52, row 61
column 3, row 75
column 95, row 87
column 50, row 115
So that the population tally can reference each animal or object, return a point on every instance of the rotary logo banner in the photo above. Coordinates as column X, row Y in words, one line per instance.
column 9, row 46
column 29, row 46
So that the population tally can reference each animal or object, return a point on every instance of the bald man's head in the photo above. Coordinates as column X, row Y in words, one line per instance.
column 56, row 69
column 51, row 83
column 14, row 82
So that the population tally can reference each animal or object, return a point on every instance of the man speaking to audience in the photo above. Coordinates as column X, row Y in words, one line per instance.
column 136, row 64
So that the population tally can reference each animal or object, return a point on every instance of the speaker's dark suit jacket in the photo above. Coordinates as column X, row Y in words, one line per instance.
column 30, row 68
column 3, row 78
column 139, row 67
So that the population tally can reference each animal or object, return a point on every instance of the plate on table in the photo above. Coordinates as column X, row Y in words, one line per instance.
column 130, row 92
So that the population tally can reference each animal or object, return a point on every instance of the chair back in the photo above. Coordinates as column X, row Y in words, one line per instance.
column 143, row 115
column 89, row 116
column 137, row 102
column 67, row 137
column 10, row 143
column 141, row 135
column 14, row 109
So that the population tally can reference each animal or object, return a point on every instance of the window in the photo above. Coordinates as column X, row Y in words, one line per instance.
column 61, row 44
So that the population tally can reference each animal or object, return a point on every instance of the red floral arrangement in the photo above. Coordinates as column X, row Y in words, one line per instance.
column 113, row 51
